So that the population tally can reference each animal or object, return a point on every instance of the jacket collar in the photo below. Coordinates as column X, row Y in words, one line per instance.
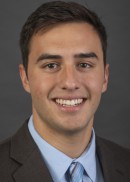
column 25, row 152
column 113, row 169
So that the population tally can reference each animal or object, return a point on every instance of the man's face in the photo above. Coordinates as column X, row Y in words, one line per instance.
column 66, row 77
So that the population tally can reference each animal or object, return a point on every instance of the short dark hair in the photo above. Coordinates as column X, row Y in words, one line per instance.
column 51, row 14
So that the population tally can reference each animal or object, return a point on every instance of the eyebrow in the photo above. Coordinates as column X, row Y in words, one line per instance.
column 80, row 55
column 86, row 55
column 48, row 56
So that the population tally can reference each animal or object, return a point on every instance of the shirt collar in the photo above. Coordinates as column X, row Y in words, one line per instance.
column 60, row 161
column 88, row 158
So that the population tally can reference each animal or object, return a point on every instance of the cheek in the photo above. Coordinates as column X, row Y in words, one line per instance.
column 95, row 83
column 41, row 87
column 36, row 85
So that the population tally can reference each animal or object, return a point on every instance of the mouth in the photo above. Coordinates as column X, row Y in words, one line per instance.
column 69, row 102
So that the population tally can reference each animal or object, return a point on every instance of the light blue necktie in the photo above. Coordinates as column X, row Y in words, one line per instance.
column 75, row 172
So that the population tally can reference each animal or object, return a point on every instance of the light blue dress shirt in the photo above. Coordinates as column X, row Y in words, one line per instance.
column 58, row 163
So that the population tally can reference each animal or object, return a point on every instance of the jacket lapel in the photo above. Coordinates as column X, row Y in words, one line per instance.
column 112, row 168
column 25, row 152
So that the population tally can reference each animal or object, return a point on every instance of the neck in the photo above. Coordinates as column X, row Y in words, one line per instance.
column 73, row 145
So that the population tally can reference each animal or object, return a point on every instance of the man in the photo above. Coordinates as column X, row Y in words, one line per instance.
column 64, row 69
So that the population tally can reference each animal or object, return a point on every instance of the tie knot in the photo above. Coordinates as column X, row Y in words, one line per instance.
column 75, row 172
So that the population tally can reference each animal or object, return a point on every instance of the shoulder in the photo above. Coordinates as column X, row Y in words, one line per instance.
column 6, row 165
column 112, row 152
column 8, row 148
column 112, row 146
column 5, row 148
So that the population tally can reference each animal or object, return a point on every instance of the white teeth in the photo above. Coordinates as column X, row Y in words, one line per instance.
column 72, row 102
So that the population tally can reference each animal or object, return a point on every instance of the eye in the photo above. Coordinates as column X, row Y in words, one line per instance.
column 84, row 65
column 51, row 67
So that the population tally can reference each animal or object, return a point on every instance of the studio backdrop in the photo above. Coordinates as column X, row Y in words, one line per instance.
column 112, row 119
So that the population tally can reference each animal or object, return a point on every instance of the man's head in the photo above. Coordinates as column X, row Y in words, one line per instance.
column 54, row 13
column 64, row 69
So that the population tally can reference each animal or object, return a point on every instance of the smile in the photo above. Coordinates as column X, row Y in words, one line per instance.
column 69, row 103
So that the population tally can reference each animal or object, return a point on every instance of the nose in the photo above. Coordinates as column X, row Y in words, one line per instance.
column 69, row 78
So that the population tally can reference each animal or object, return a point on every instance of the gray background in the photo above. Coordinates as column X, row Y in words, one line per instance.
column 113, row 117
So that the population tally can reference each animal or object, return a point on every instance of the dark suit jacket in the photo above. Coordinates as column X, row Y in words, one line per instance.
column 21, row 161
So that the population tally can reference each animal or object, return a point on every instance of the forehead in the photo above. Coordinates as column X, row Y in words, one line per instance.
column 69, row 36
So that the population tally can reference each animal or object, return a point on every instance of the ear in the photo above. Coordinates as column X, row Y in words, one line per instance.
column 106, row 76
column 24, row 79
